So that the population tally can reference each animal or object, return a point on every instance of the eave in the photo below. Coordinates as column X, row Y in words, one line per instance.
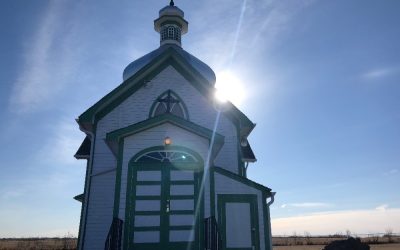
column 113, row 138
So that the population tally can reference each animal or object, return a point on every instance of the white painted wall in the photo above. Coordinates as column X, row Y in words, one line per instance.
column 226, row 185
column 135, row 109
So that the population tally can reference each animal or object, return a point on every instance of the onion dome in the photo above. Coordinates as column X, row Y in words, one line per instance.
column 196, row 63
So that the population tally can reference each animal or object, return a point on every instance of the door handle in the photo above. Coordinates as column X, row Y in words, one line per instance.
column 167, row 207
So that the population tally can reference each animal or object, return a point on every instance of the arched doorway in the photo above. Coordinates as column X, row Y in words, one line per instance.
column 163, row 193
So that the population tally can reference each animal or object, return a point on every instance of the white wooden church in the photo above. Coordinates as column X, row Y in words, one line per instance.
column 166, row 163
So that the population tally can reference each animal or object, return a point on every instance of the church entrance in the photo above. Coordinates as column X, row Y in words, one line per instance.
column 163, row 198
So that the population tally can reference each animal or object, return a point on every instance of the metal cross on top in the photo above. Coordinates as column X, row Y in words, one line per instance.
column 169, row 99
column 171, row 3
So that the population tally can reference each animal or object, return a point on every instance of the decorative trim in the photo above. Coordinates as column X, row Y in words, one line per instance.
column 243, row 180
column 113, row 137
column 167, row 148
column 88, row 182
column 173, row 93
column 117, row 189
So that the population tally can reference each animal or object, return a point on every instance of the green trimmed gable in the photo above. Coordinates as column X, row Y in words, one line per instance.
column 113, row 138
column 169, row 57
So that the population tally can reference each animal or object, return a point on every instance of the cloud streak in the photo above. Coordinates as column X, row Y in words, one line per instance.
column 357, row 221
column 307, row 205
column 380, row 73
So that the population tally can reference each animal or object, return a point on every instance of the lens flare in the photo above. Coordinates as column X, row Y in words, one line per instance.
column 229, row 88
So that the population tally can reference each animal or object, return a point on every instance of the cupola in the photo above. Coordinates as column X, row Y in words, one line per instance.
column 171, row 24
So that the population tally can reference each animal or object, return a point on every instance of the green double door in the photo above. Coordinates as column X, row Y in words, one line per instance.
column 163, row 212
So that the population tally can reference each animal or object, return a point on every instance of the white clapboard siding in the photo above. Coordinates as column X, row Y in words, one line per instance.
column 99, row 220
column 135, row 109
column 226, row 185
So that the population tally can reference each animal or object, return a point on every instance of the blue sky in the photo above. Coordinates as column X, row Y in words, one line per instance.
column 321, row 80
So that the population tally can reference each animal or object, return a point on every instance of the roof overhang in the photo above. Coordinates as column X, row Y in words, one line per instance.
column 114, row 138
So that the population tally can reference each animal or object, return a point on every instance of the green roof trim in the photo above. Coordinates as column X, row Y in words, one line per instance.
column 80, row 197
column 243, row 180
column 115, row 136
column 169, row 58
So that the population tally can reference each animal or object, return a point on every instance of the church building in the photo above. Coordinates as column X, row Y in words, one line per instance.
column 166, row 162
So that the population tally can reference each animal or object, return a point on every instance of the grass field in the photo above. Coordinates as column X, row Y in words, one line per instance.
column 393, row 246
column 280, row 243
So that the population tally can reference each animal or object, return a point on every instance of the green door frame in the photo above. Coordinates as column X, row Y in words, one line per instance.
column 165, row 196
column 239, row 198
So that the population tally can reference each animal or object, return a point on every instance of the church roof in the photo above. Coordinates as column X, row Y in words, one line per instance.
column 200, row 66
column 84, row 150
column 167, row 55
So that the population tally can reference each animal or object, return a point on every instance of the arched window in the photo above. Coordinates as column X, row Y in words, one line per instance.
column 167, row 156
column 170, row 103
column 171, row 32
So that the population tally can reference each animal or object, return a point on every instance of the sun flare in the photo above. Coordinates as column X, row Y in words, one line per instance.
column 229, row 88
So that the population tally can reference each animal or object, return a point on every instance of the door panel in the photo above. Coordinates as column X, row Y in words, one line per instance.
column 238, row 225
column 164, row 202
column 146, row 190
column 147, row 237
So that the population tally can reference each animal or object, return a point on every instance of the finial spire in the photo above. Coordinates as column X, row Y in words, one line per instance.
column 171, row 3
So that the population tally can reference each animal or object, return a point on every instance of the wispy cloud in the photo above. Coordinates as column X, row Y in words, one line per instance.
column 307, row 205
column 382, row 207
column 31, row 86
column 49, row 60
column 380, row 73
column 238, row 36
column 391, row 172
column 62, row 145
column 357, row 221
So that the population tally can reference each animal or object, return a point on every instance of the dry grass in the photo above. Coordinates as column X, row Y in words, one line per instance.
column 38, row 244
column 392, row 246
column 314, row 240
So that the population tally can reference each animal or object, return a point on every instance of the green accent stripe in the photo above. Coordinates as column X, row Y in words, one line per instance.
column 155, row 121
column 118, row 179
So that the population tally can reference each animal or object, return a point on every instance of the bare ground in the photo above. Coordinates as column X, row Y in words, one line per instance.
column 395, row 246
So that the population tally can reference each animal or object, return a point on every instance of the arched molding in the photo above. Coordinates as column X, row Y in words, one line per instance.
column 174, row 95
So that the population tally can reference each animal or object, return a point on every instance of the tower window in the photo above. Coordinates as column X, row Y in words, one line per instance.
column 171, row 32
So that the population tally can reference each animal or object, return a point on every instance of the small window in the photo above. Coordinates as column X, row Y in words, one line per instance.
column 171, row 32
column 169, row 103
column 164, row 33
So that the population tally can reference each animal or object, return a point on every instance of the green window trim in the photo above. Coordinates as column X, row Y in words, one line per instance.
column 174, row 95
column 133, row 165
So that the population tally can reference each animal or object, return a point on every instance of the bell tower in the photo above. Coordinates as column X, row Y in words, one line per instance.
column 171, row 24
